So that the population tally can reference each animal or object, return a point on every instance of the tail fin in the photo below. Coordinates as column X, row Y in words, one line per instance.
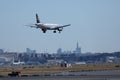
column 37, row 19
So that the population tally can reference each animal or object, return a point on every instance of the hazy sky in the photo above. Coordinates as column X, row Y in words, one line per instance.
column 95, row 25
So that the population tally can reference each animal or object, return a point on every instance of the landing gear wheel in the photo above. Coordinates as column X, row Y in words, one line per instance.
column 44, row 30
column 54, row 31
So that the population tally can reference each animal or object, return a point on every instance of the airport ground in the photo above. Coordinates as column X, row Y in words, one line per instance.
column 106, row 69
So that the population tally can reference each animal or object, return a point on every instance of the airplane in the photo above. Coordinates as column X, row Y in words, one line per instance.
column 45, row 26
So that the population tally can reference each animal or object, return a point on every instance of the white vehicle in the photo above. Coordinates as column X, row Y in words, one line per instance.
column 45, row 26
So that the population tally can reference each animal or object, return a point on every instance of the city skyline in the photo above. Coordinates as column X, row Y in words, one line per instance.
column 95, row 25
column 76, row 50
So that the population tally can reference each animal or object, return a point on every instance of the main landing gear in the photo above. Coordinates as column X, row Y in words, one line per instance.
column 54, row 31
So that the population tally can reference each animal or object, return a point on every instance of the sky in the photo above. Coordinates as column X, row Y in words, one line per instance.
column 95, row 25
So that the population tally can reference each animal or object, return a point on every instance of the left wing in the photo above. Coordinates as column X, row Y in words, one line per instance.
column 62, row 26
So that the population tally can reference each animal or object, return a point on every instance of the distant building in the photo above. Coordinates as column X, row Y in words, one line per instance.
column 117, row 60
column 110, row 59
column 80, row 63
column 59, row 51
column 77, row 50
column 1, row 51
column 30, row 51
column 67, row 52
column 54, row 62
column 2, row 60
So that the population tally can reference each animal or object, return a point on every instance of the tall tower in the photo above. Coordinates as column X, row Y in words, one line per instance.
column 78, row 49
column 77, row 45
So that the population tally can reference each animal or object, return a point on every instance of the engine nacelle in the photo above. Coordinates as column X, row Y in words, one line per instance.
column 60, row 29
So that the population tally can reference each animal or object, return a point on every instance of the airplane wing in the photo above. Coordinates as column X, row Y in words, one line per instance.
column 31, row 25
column 62, row 26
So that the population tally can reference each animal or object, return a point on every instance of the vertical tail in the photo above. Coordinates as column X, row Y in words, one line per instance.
column 37, row 19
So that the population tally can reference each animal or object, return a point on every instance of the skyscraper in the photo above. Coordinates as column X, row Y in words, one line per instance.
column 78, row 49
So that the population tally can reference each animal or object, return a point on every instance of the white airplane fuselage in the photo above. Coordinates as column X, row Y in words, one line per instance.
column 46, row 26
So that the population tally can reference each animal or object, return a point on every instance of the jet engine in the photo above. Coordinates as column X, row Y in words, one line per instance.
column 60, row 29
